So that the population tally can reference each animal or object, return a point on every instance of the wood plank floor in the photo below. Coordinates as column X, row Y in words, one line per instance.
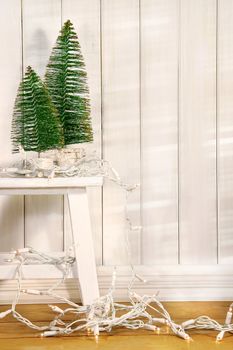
column 16, row 336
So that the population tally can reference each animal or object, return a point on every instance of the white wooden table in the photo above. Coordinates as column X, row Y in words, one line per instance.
column 75, row 188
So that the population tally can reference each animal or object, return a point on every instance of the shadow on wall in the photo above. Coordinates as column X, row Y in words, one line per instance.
column 38, row 48
column 11, row 221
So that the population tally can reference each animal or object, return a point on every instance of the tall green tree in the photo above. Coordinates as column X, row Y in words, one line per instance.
column 35, row 124
column 66, row 79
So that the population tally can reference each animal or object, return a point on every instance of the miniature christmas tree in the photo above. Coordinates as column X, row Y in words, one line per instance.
column 66, row 79
column 35, row 125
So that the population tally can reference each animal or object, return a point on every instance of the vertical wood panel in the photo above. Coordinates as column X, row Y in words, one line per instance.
column 85, row 15
column 44, row 222
column 172, row 95
column 198, row 241
column 121, row 117
column 225, row 130
column 159, row 77
column 11, row 208
column 44, row 214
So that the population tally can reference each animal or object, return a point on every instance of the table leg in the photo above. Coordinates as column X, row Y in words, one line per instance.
column 83, row 246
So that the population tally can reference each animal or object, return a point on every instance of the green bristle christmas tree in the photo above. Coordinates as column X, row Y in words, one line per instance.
column 35, row 125
column 66, row 79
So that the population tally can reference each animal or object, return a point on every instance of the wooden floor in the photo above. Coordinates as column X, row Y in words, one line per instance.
column 14, row 336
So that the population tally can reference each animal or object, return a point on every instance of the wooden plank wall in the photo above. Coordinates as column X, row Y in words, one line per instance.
column 197, row 132
column 121, row 123
column 161, row 78
column 225, row 130
column 159, row 130
column 11, row 231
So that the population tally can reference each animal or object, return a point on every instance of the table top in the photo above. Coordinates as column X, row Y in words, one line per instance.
column 14, row 183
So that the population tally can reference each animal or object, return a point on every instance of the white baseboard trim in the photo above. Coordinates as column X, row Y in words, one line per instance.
column 174, row 283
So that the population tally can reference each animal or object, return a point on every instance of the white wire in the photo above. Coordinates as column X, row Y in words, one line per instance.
column 104, row 314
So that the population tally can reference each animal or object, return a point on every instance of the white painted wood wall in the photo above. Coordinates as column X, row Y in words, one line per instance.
column 161, row 80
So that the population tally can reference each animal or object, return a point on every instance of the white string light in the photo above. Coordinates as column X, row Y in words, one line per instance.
column 104, row 314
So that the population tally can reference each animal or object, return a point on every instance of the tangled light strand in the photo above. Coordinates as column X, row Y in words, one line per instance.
column 101, row 316
column 104, row 314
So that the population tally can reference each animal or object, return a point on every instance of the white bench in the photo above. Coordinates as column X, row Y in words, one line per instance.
column 75, row 188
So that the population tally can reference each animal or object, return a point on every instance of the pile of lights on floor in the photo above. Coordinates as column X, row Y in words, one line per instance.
column 104, row 314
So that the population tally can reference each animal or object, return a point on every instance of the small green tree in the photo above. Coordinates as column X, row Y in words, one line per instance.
column 66, row 79
column 35, row 125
